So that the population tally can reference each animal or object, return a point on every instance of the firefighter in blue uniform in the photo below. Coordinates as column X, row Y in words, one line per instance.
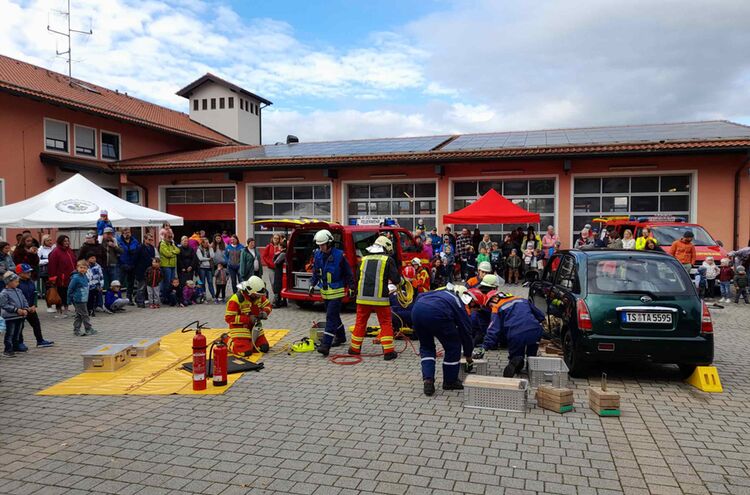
column 443, row 315
column 401, row 313
column 332, row 272
column 519, row 322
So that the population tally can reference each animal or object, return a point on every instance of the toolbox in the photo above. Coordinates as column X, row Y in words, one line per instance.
column 494, row 392
column 480, row 368
column 106, row 357
column 143, row 348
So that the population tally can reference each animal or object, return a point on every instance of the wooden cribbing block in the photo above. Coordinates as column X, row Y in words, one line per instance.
column 604, row 402
column 561, row 395
column 494, row 382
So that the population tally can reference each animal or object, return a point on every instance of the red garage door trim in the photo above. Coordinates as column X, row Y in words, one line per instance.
column 204, row 211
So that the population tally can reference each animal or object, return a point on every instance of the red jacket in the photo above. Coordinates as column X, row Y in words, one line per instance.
column 62, row 263
column 726, row 274
column 268, row 254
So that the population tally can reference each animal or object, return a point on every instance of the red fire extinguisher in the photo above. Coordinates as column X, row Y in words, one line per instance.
column 199, row 357
column 220, row 356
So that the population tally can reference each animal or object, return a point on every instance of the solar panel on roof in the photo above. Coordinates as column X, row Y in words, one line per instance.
column 338, row 148
column 601, row 135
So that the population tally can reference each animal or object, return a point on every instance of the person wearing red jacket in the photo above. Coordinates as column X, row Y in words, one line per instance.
column 62, row 264
column 244, row 311
column 268, row 257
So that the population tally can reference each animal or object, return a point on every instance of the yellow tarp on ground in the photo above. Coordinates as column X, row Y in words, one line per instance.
column 160, row 374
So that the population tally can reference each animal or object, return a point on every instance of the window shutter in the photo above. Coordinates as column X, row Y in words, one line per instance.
column 57, row 130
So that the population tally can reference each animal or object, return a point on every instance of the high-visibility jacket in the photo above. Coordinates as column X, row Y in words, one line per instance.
column 422, row 281
column 374, row 272
column 332, row 272
column 239, row 310
column 640, row 243
column 473, row 282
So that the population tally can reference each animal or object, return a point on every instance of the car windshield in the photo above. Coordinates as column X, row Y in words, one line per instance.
column 667, row 234
column 652, row 277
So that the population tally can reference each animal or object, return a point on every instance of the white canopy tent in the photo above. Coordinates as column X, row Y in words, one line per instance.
column 77, row 202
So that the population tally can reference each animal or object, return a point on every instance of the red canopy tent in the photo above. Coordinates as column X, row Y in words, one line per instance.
column 492, row 207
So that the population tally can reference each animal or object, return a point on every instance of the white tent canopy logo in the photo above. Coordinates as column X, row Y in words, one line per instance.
column 79, row 206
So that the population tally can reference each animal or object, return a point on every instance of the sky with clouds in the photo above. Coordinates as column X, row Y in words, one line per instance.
column 344, row 69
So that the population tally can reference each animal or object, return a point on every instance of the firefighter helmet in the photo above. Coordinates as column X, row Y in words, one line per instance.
column 323, row 237
column 385, row 243
column 253, row 285
column 485, row 267
column 409, row 272
column 416, row 261
column 489, row 280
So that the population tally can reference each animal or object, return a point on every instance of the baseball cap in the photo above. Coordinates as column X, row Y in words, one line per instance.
column 24, row 268
column 109, row 230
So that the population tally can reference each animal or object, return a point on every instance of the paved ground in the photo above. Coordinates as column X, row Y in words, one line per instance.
column 304, row 426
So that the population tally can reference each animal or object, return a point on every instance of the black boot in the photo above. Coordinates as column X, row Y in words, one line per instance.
column 389, row 356
column 457, row 385
column 429, row 387
column 514, row 366
column 338, row 342
column 323, row 349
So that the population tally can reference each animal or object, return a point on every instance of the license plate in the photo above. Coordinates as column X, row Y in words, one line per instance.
column 658, row 318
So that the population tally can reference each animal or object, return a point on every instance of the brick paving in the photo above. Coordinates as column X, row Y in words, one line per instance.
column 305, row 426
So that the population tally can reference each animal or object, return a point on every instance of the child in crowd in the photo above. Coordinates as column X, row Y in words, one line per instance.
column 514, row 265
column 449, row 261
column 437, row 274
column 220, row 281
column 483, row 255
column 28, row 287
column 15, row 308
column 113, row 300
column 740, row 285
column 173, row 296
column 470, row 264
column 153, row 282
column 726, row 275
column 539, row 255
column 200, row 293
column 78, row 296
column 712, row 272
column 496, row 259
column 95, row 274
column 189, row 293
column 528, row 255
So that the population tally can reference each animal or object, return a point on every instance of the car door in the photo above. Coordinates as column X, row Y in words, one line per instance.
column 539, row 290
column 564, row 291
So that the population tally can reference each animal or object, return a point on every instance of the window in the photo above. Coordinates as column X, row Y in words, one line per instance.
column 213, row 103
column 200, row 195
column 640, row 195
column 257, row 110
column 247, row 108
column 56, row 136
column 551, row 269
column 85, row 141
column 196, row 104
column 405, row 202
column 221, row 102
column 205, row 104
column 110, row 146
column 252, row 107
column 536, row 195
column 231, row 102
column 242, row 104
column 613, row 276
column 407, row 244
column 567, row 275
column 292, row 201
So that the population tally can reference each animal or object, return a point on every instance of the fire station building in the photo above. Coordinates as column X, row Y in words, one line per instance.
column 209, row 166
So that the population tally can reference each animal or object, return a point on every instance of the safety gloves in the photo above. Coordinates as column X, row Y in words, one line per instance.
column 478, row 353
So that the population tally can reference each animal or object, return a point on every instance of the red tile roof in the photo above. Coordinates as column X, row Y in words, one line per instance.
column 30, row 80
column 210, row 158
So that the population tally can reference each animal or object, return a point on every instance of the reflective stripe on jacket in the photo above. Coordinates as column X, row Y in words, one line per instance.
column 332, row 272
column 374, row 272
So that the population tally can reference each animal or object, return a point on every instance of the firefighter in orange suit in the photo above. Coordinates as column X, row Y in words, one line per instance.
column 375, row 270
column 244, row 310
column 422, row 279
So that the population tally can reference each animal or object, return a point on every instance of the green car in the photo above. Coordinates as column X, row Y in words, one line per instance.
column 621, row 305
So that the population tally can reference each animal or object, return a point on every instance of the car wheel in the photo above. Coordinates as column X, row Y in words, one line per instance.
column 686, row 370
column 571, row 356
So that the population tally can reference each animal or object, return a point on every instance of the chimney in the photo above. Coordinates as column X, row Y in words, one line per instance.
column 292, row 139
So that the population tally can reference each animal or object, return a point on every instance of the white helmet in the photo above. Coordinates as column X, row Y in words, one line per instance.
column 323, row 237
column 489, row 280
column 485, row 267
column 253, row 285
column 385, row 243
column 416, row 261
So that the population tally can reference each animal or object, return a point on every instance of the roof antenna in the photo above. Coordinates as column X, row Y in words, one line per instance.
column 68, row 34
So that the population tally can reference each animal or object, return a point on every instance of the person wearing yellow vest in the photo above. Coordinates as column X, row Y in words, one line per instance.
column 334, row 275
column 517, row 320
column 640, row 243
column 247, row 306
column 375, row 270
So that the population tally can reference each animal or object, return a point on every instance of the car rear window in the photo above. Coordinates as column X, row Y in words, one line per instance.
column 628, row 275
column 667, row 234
